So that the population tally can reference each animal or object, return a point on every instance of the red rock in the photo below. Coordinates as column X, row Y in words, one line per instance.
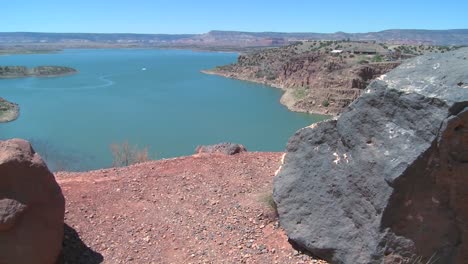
column 32, row 207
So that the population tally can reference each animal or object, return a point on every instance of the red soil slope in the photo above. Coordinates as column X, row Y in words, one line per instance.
column 207, row 208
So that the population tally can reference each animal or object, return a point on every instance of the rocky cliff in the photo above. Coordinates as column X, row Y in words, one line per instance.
column 314, row 80
column 386, row 181
column 40, row 71
column 322, row 76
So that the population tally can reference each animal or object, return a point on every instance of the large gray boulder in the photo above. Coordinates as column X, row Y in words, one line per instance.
column 386, row 182
column 31, row 207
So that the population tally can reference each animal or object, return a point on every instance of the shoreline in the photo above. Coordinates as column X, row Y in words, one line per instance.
column 194, row 49
column 287, row 98
column 39, row 76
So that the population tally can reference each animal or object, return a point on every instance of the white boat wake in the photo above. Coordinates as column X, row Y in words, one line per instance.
column 106, row 82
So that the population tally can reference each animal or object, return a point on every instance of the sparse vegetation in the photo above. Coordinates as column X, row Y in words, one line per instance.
column 3, row 108
column 300, row 92
column 415, row 50
column 124, row 154
column 377, row 58
column 268, row 74
column 325, row 103
column 267, row 199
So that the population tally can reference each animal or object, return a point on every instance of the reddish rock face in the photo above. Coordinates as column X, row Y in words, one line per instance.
column 314, row 80
column 31, row 206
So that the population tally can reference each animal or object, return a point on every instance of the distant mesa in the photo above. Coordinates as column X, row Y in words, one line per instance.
column 226, row 40
column 40, row 71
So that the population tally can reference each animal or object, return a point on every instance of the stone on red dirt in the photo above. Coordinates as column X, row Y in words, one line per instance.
column 31, row 207
column 224, row 148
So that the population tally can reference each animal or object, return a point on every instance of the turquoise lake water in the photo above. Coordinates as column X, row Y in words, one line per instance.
column 170, row 107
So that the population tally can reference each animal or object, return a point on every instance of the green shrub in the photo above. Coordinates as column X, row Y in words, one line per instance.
column 267, row 199
column 259, row 74
column 377, row 58
column 267, row 73
column 325, row 103
column 300, row 92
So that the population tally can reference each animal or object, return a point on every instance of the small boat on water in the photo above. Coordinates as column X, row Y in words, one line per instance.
column 143, row 69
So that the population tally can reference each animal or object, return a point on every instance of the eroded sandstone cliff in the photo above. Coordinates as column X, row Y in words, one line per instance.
column 314, row 79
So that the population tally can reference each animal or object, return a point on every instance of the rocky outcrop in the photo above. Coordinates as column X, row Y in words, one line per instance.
column 8, row 111
column 40, row 71
column 31, row 207
column 314, row 79
column 224, row 148
column 385, row 182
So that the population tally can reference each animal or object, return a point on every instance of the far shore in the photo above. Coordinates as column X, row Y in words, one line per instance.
column 220, row 49
column 39, row 76
column 12, row 72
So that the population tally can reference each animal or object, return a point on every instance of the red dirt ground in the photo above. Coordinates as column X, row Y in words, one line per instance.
column 207, row 208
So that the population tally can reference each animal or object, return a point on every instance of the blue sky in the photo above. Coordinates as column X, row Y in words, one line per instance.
column 198, row 16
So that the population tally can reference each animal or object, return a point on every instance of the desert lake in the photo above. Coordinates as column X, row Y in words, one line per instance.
column 151, row 98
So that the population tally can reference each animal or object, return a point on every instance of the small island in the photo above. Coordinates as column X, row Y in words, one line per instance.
column 40, row 71
column 8, row 111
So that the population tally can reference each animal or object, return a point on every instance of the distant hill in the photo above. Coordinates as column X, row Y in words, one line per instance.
column 397, row 36
column 229, row 39
column 410, row 36
column 35, row 37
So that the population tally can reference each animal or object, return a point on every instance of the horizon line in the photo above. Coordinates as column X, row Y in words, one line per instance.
column 239, row 31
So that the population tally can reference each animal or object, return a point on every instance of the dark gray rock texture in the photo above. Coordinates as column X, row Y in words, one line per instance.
column 387, row 181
